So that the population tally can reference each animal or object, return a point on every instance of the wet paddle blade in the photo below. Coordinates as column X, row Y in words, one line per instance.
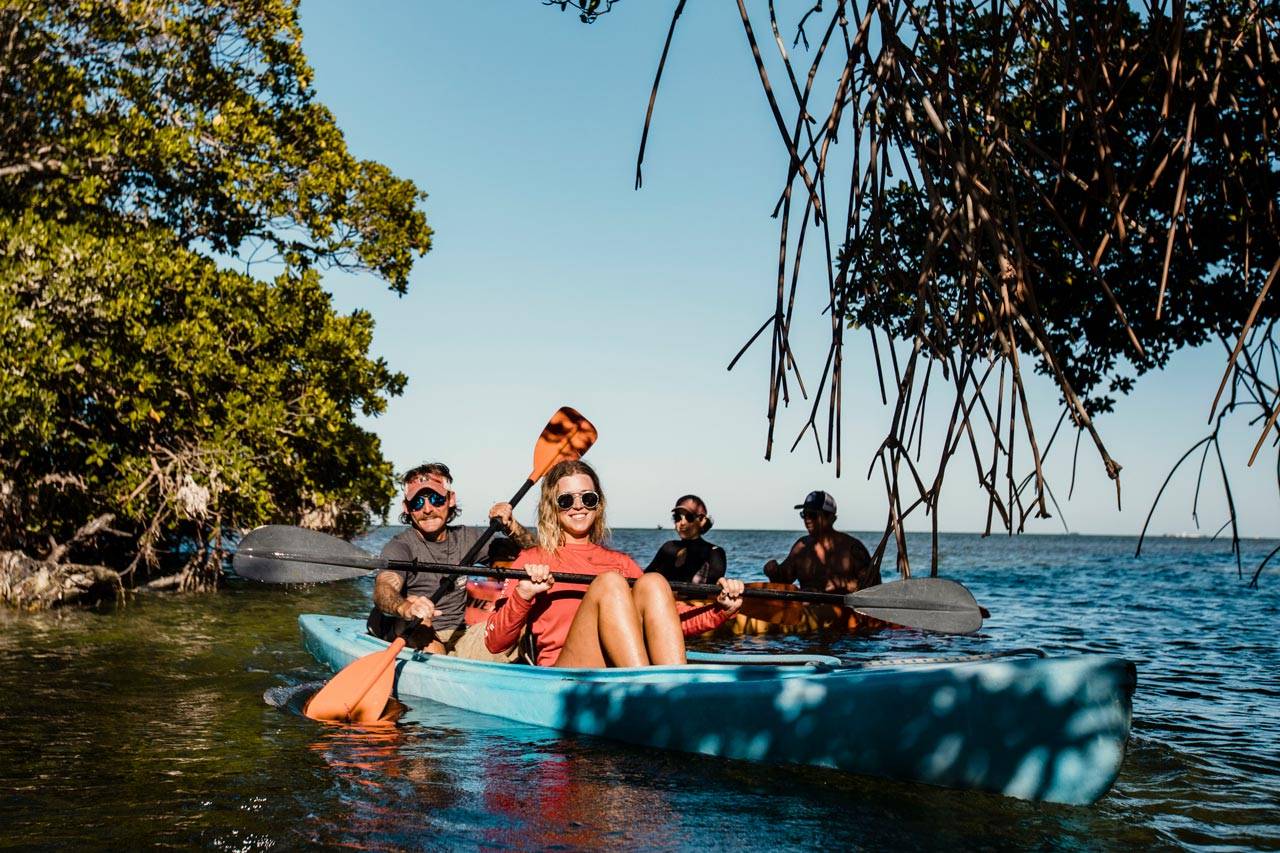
column 360, row 690
column 278, row 553
column 931, row 604
column 568, row 435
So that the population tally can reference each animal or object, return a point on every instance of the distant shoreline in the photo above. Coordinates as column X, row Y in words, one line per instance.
column 875, row 534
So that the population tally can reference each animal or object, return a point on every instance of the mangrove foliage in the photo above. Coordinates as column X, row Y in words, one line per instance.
column 171, row 371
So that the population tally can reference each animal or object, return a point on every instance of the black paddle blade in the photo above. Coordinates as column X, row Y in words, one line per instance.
column 278, row 553
column 931, row 604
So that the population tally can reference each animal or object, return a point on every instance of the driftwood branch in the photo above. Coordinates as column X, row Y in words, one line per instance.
column 29, row 584
column 88, row 531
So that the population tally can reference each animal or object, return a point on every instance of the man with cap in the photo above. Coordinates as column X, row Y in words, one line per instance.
column 825, row 560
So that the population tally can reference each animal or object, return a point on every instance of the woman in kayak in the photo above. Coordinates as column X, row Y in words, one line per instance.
column 607, row 623
column 689, row 558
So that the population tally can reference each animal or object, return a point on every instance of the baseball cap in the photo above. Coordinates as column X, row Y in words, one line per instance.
column 819, row 500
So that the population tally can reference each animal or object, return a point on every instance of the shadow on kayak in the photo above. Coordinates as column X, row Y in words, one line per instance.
column 1037, row 729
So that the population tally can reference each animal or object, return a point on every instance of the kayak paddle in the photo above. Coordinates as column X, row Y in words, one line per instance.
column 277, row 554
column 359, row 692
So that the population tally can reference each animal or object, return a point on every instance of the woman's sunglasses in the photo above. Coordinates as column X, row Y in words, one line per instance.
column 425, row 496
column 590, row 500
column 684, row 515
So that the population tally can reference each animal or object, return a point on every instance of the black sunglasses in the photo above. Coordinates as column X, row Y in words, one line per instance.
column 590, row 500
column 424, row 496
column 684, row 515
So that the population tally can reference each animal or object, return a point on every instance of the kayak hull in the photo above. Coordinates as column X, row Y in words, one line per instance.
column 1051, row 729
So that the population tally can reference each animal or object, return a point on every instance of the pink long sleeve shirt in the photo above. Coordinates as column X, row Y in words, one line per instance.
column 550, row 614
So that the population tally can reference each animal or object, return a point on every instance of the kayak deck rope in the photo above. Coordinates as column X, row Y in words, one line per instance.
column 822, row 662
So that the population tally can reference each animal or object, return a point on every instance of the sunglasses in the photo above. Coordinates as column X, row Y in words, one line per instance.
column 684, row 515
column 807, row 514
column 590, row 500
column 425, row 496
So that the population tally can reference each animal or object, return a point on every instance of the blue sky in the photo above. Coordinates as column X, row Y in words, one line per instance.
column 553, row 282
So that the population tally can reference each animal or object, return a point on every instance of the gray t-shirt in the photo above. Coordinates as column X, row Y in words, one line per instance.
column 452, row 598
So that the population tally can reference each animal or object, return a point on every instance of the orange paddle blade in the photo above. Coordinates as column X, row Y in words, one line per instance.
column 567, row 435
column 359, row 692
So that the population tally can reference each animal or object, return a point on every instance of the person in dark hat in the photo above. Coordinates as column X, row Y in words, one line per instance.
column 824, row 560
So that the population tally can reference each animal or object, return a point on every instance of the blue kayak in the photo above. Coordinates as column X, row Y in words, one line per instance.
column 1050, row 729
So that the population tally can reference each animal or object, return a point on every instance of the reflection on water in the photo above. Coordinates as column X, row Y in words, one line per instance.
column 147, row 725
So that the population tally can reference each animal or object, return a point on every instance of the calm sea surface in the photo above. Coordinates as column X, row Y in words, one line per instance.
column 146, row 725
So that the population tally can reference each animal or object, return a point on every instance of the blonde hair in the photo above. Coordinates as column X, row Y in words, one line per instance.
column 550, row 535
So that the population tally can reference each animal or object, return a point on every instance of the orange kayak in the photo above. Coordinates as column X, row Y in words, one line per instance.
column 757, row 616
column 482, row 597
column 769, row 616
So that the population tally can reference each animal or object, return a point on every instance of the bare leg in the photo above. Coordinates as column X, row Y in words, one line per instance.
column 656, row 606
column 606, row 630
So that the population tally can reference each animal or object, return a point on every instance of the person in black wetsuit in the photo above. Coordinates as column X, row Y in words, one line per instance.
column 689, row 558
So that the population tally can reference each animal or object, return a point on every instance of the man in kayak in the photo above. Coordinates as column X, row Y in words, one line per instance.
column 825, row 560
column 439, row 600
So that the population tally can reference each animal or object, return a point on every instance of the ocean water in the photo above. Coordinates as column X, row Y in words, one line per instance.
column 145, row 724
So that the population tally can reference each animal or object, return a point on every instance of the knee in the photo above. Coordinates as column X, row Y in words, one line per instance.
column 608, row 585
column 652, row 585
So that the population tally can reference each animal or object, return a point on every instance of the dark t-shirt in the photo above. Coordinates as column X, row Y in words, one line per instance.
column 685, row 561
column 447, row 591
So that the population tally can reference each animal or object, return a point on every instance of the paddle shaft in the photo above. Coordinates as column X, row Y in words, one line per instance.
column 467, row 559
column 494, row 526
column 556, row 442
column 704, row 590
column 474, row 551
